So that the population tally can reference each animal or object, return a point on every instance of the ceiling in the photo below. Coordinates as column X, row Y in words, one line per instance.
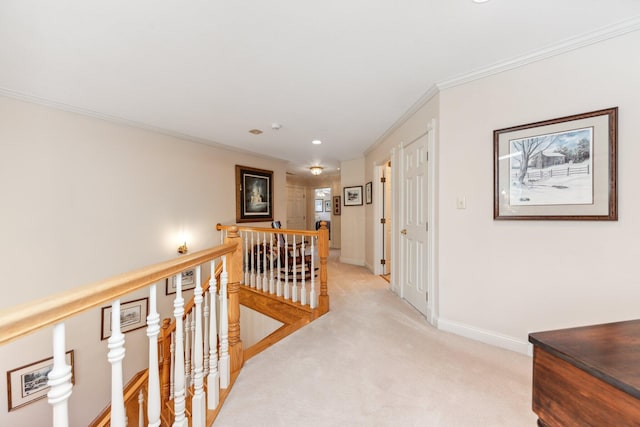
column 342, row 71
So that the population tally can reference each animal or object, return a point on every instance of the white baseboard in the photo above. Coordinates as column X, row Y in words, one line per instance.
column 352, row 261
column 369, row 267
column 485, row 336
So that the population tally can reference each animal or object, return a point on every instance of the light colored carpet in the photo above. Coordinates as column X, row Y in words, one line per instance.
column 375, row 361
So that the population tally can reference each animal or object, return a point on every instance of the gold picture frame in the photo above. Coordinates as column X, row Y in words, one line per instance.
column 254, row 194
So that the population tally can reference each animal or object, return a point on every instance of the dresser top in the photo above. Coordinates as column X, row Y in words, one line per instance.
column 609, row 351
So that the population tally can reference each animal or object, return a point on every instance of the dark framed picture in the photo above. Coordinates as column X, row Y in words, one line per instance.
column 559, row 169
column 327, row 205
column 254, row 194
column 353, row 195
column 336, row 205
column 367, row 192
column 188, row 282
column 29, row 383
column 133, row 315
column 319, row 205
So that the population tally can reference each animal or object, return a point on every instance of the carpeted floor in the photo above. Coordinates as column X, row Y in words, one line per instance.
column 374, row 361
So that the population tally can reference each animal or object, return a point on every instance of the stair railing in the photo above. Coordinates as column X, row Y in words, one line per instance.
column 52, row 311
column 286, row 263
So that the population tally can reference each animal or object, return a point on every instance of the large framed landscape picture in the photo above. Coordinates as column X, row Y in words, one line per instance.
column 254, row 194
column 559, row 169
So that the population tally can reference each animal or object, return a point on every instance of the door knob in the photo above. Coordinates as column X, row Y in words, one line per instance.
column 403, row 231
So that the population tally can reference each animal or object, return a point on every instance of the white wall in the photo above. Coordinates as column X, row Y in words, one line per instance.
column 352, row 218
column 500, row 280
column 84, row 199
column 497, row 281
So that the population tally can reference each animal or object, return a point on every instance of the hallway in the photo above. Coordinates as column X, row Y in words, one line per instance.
column 374, row 361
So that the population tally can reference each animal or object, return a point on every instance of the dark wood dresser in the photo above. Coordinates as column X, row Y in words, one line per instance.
column 587, row 376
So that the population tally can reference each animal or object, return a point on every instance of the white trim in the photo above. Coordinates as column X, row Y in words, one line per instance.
column 432, row 247
column 378, row 212
column 352, row 261
column 124, row 122
column 564, row 46
column 573, row 43
column 395, row 219
column 485, row 336
column 426, row 97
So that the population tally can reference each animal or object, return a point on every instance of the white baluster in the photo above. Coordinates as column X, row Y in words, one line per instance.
column 271, row 266
column 213, row 380
column 187, row 352
column 60, row 379
column 206, row 334
column 247, row 276
column 115, row 356
column 179, row 386
column 172, row 378
column 224, row 364
column 303, row 289
column 153, row 387
column 198, row 410
column 265, row 280
column 294, row 289
column 252, row 262
column 141, row 409
column 279, row 262
column 286, row 268
column 312, row 296
column 193, row 340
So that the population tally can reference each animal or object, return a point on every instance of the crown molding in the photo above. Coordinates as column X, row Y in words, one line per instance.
column 567, row 45
column 421, row 102
column 124, row 122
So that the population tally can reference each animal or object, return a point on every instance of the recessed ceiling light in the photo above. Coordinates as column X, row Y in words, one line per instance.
column 255, row 131
column 316, row 142
column 480, row 1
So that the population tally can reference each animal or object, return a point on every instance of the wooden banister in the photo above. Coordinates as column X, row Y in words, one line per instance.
column 235, row 276
column 27, row 318
column 309, row 233
column 323, row 253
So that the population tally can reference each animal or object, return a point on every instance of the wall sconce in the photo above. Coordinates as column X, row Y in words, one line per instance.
column 182, row 249
column 316, row 170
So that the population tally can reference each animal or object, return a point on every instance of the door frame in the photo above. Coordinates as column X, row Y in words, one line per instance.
column 397, row 276
column 378, row 212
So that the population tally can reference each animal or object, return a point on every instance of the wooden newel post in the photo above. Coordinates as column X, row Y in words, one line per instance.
column 164, row 342
column 323, row 252
column 234, row 269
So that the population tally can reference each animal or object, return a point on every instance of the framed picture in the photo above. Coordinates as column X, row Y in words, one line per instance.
column 327, row 205
column 319, row 205
column 133, row 315
column 367, row 192
column 30, row 382
column 254, row 194
column 353, row 195
column 336, row 205
column 188, row 282
column 559, row 169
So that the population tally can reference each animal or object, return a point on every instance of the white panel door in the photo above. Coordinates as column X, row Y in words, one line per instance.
column 414, row 238
column 296, row 208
